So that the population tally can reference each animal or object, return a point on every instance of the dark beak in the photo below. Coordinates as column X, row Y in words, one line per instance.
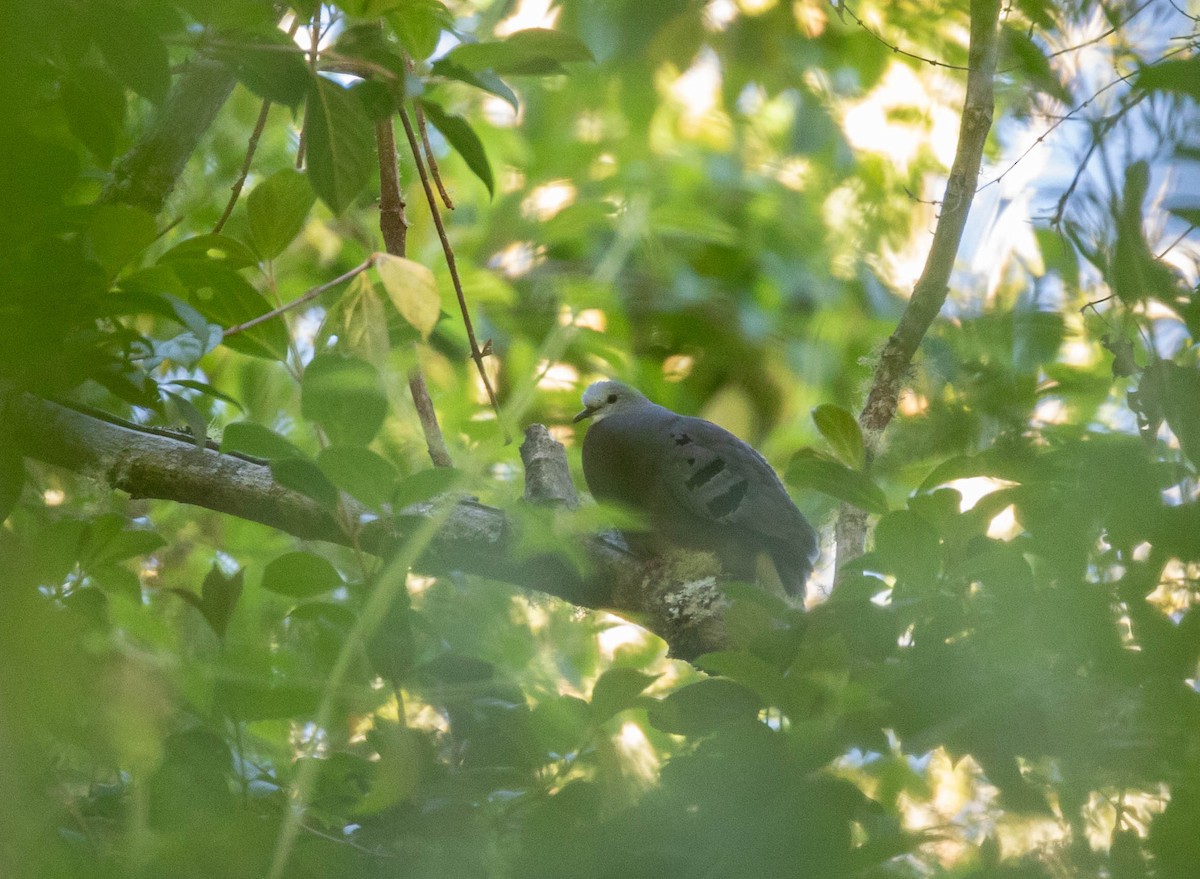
column 586, row 413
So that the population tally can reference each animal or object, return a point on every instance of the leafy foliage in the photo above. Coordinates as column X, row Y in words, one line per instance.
column 681, row 194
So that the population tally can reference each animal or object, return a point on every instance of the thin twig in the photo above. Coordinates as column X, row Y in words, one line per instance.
column 393, row 224
column 1184, row 234
column 433, row 168
column 929, row 293
column 476, row 353
column 251, row 147
column 1038, row 142
column 896, row 49
column 304, row 297
column 1108, row 33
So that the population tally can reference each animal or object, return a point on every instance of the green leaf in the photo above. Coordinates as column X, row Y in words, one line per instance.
column 425, row 484
column 363, row 322
column 1026, row 56
column 616, row 690
column 842, row 432
column 340, row 144
column 360, row 473
column 206, row 389
column 304, row 476
column 106, row 541
column 484, row 80
column 704, row 707
column 182, row 408
column 810, row 469
column 228, row 299
column 751, row 671
column 116, row 233
column 463, row 138
column 418, row 24
column 218, row 596
column 412, row 289
column 397, row 772
column 907, row 546
column 1181, row 406
column 254, row 439
column 300, row 575
column 132, row 49
column 1174, row 75
column 220, row 250
column 276, row 211
column 343, row 394
column 365, row 42
column 94, row 104
column 263, row 67
column 1135, row 273
column 535, row 51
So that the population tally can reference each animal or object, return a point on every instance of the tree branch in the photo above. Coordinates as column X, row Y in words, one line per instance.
column 929, row 294
column 146, row 175
column 685, row 609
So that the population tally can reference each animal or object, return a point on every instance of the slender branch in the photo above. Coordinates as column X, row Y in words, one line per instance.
column 304, row 297
column 251, row 148
column 393, row 224
column 477, row 353
column 929, row 294
column 433, row 167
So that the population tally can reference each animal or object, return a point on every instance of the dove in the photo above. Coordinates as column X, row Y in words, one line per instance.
column 698, row 485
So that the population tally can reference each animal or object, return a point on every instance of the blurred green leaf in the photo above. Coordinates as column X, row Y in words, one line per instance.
column 131, row 47
column 343, row 394
column 304, row 476
column 412, row 289
column 462, row 137
column 254, row 439
column 277, row 209
column 616, row 690
column 704, row 707
column 810, row 469
column 424, row 485
column 534, row 51
column 340, row 144
column 418, row 24
column 841, row 430
column 300, row 575
column 360, row 473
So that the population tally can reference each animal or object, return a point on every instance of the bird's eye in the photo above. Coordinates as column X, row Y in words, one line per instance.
column 612, row 398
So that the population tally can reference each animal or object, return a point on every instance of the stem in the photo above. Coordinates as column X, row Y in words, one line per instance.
column 393, row 224
column 433, row 168
column 930, row 291
column 476, row 352
column 302, row 298
column 251, row 147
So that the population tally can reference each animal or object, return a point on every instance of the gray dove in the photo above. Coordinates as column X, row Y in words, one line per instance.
column 699, row 485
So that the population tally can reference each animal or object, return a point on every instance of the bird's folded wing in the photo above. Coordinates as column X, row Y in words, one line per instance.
column 716, row 476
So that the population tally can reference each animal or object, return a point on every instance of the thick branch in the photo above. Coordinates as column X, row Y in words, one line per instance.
column 476, row 539
column 146, row 175
column 929, row 294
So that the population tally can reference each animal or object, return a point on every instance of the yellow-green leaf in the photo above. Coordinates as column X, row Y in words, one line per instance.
column 412, row 289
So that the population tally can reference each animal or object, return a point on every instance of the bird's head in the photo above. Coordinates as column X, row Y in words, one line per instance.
column 605, row 398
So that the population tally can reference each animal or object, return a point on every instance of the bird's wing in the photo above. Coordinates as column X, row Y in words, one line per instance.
column 717, row 477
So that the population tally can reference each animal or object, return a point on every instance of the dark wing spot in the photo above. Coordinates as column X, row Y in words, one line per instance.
column 705, row 473
column 682, row 439
column 726, row 502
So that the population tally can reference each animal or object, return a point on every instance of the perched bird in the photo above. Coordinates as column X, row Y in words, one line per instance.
column 698, row 485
